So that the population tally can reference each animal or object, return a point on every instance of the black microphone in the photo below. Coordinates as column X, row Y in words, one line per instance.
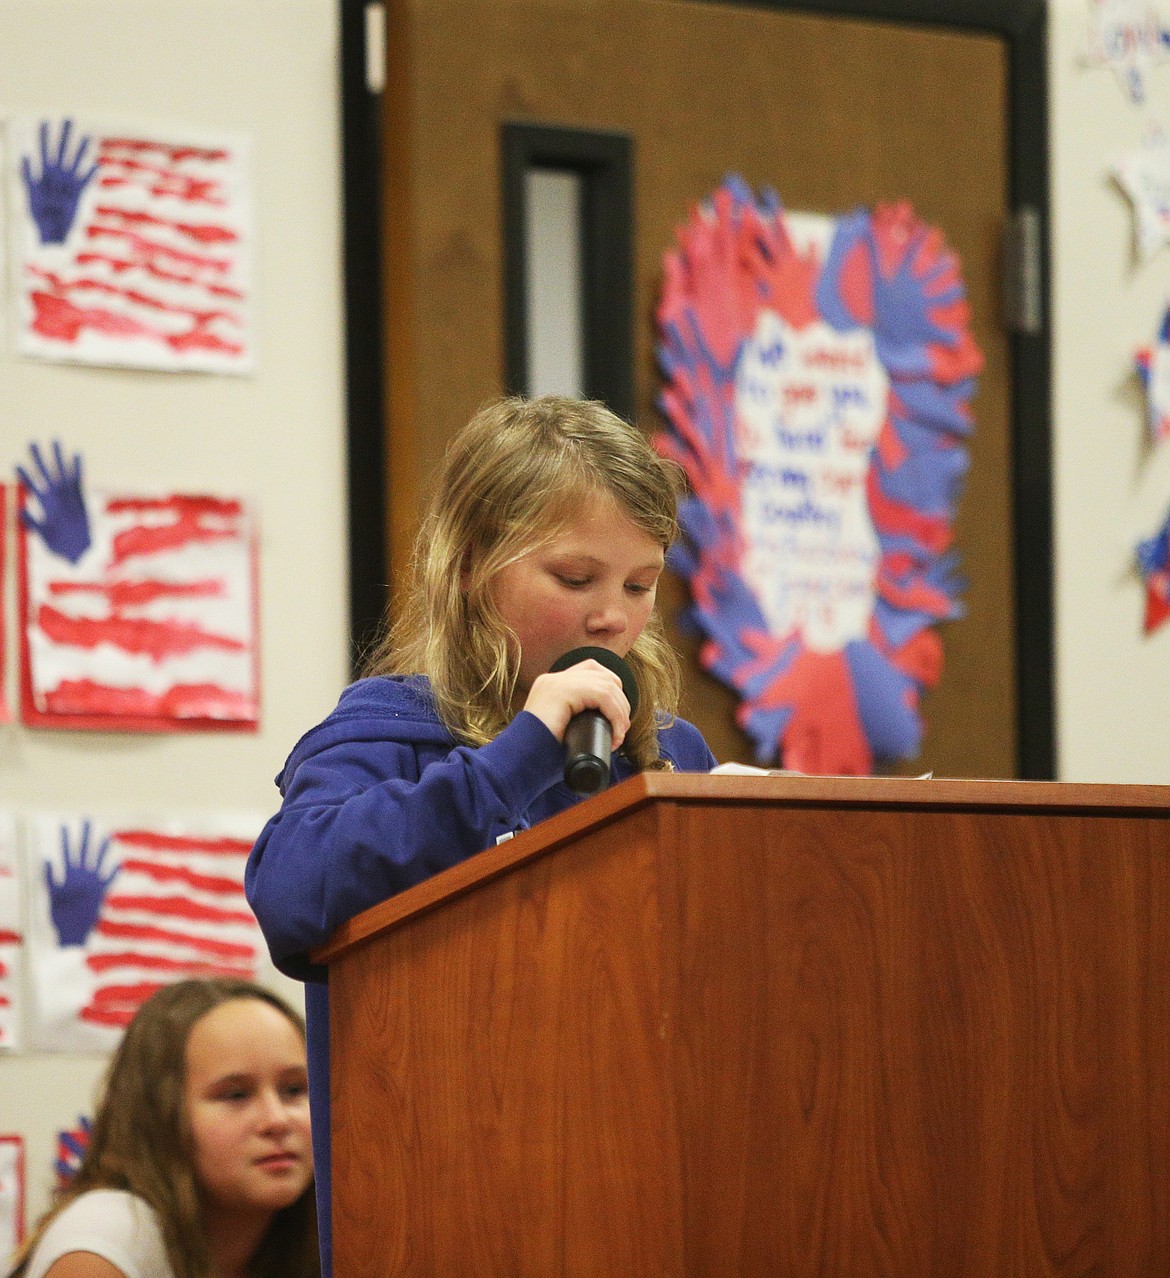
column 589, row 738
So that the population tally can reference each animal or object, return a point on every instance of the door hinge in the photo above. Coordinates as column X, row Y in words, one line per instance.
column 1023, row 271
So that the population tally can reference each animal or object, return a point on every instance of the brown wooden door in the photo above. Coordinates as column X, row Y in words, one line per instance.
column 830, row 112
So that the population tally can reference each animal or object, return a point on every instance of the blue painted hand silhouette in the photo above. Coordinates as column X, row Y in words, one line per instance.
column 64, row 522
column 75, row 901
column 924, row 281
column 54, row 195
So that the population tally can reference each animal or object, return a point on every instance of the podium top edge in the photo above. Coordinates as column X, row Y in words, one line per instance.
column 780, row 790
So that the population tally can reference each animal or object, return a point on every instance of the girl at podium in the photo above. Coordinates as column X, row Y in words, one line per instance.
column 547, row 532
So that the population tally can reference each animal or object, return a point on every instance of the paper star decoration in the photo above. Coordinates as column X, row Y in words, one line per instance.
column 1153, row 366
column 1144, row 176
column 1153, row 561
column 1130, row 37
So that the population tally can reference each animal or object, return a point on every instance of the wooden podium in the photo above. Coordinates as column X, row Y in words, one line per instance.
column 720, row 1025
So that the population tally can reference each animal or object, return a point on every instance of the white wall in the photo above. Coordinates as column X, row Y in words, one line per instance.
column 267, row 69
column 1111, row 488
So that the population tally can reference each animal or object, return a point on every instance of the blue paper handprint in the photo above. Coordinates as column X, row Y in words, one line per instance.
column 64, row 522
column 75, row 901
column 54, row 195
column 905, row 300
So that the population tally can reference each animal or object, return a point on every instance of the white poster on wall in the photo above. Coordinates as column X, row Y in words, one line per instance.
column 120, row 907
column 11, row 1194
column 129, row 246
column 11, row 951
column 138, row 611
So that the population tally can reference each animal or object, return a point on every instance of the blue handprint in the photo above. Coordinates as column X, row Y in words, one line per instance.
column 904, row 300
column 64, row 522
column 53, row 197
column 75, row 901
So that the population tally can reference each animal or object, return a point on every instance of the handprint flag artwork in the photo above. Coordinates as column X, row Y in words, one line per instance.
column 137, row 612
column 12, row 1192
column 5, row 713
column 11, row 938
column 817, row 377
column 130, row 247
column 117, row 909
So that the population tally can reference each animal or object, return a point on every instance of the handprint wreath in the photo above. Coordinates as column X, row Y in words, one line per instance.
column 817, row 396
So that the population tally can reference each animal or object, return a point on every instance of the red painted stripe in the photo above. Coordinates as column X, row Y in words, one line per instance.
column 181, row 874
column 157, row 640
column 178, row 907
column 161, row 182
column 184, row 701
column 146, row 933
column 154, row 541
column 201, row 232
column 8, row 937
column 119, row 264
column 175, row 154
column 5, row 1001
column 188, row 506
column 163, row 963
column 156, row 842
column 89, row 284
column 58, row 318
column 117, row 1018
column 202, row 338
column 159, row 842
column 135, row 593
column 153, row 250
column 137, row 992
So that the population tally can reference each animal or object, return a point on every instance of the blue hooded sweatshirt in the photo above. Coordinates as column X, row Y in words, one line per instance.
column 380, row 797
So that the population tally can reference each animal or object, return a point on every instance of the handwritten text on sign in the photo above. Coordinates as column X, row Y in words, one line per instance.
column 809, row 404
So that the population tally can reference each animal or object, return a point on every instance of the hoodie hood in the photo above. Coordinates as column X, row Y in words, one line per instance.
column 380, row 708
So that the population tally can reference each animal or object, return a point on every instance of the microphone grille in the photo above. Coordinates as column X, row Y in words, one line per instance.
column 610, row 660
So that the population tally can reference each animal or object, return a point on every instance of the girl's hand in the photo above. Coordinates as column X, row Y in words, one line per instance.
column 556, row 698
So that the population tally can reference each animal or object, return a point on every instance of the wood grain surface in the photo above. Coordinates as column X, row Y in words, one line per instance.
column 702, row 1037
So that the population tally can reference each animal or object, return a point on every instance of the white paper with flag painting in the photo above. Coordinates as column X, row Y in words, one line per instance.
column 818, row 377
column 118, row 908
column 129, row 246
column 12, row 1193
column 11, row 937
column 5, row 714
column 138, row 611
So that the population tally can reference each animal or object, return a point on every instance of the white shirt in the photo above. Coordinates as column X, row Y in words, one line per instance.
column 110, row 1223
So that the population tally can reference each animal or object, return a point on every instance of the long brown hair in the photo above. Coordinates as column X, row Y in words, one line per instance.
column 141, row 1142
column 511, row 481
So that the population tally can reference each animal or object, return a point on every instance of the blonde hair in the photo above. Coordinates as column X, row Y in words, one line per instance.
column 141, row 1140
column 511, row 481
